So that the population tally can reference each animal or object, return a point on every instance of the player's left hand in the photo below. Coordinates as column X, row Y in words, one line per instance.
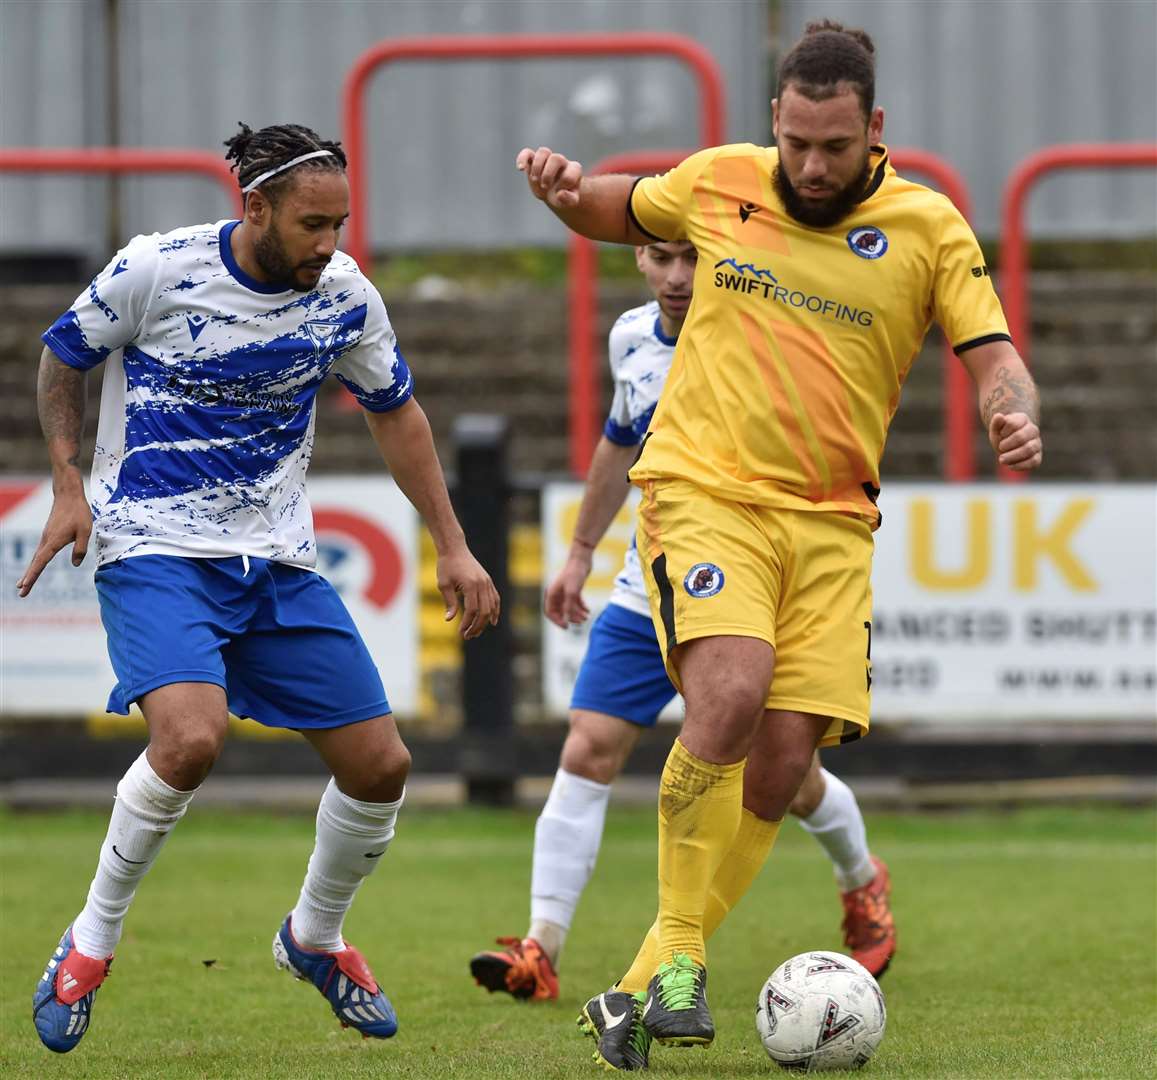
column 1016, row 440
column 465, row 585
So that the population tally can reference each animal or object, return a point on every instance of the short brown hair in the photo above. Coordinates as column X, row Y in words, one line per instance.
column 829, row 54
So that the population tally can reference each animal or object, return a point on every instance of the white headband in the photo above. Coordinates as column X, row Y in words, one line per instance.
column 281, row 168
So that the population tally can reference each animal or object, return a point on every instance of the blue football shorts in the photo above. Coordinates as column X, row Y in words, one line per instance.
column 622, row 673
column 276, row 638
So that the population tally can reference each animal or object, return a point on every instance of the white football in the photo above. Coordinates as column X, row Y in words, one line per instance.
column 819, row 1011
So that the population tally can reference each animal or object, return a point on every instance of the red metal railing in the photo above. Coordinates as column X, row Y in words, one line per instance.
column 115, row 159
column 1014, row 240
column 958, row 401
column 582, row 273
column 505, row 47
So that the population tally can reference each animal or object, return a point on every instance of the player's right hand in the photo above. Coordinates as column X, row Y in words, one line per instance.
column 552, row 178
column 564, row 604
column 69, row 522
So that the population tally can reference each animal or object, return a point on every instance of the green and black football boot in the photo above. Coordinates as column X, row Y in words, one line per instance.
column 676, row 1012
column 615, row 1020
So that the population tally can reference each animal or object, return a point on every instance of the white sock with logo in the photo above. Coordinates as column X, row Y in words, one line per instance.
column 352, row 837
column 567, row 838
column 145, row 811
column 839, row 827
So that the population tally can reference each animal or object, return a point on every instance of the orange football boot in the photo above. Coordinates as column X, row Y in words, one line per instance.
column 522, row 969
column 869, row 931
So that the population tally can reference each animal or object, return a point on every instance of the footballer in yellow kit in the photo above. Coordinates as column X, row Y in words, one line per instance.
column 797, row 343
column 819, row 272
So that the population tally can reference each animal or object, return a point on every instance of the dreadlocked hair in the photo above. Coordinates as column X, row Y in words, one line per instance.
column 829, row 54
column 255, row 152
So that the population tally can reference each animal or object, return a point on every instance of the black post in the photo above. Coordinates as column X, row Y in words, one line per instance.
column 481, row 497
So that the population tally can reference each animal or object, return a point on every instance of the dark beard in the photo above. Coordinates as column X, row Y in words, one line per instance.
column 823, row 215
column 269, row 253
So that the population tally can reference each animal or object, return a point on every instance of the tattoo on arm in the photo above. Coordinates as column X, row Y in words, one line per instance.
column 60, row 394
column 1013, row 391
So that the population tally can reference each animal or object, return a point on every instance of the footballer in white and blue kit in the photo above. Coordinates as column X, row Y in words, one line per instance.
column 622, row 673
column 206, row 430
column 215, row 340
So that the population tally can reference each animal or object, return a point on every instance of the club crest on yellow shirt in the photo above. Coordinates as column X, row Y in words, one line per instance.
column 703, row 579
column 867, row 241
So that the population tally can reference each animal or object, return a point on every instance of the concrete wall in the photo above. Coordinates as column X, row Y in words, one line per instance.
column 1095, row 361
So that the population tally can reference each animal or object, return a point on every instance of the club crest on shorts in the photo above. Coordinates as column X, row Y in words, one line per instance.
column 868, row 242
column 703, row 579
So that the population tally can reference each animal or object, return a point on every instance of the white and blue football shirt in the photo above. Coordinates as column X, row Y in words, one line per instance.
column 640, row 356
column 207, row 406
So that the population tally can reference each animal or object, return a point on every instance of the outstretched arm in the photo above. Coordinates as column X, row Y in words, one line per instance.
column 592, row 206
column 60, row 393
column 1009, row 404
column 605, row 490
column 407, row 445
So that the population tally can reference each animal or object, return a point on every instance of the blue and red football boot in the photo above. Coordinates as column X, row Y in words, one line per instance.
column 345, row 981
column 62, row 1001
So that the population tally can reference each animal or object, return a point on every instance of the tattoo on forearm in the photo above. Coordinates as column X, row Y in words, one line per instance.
column 1014, row 392
column 60, row 393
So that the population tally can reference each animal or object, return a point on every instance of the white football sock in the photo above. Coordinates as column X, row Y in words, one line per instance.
column 839, row 826
column 351, row 838
column 566, row 844
column 145, row 811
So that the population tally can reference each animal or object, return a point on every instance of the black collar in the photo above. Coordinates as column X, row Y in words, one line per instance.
column 878, row 175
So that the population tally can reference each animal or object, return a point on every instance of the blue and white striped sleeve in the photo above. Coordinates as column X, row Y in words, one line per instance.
column 374, row 370
column 109, row 313
column 619, row 428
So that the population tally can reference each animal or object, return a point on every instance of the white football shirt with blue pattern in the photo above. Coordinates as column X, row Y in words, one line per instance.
column 640, row 356
column 207, row 406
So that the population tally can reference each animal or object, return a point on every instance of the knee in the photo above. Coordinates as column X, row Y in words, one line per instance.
column 721, row 726
column 810, row 794
column 597, row 746
column 380, row 777
column 772, row 787
column 186, row 754
column 737, row 702
column 590, row 758
column 391, row 767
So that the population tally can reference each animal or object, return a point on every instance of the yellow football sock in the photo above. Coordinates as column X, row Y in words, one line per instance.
column 700, row 804
column 740, row 867
column 644, row 965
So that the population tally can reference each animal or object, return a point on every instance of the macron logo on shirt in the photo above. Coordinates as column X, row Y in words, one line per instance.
column 197, row 323
column 120, row 268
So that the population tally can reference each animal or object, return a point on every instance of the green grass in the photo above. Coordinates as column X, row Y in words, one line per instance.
column 1026, row 949
column 484, row 270
column 488, row 270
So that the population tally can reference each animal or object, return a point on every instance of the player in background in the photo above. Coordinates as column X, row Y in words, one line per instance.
column 819, row 272
column 216, row 339
column 622, row 684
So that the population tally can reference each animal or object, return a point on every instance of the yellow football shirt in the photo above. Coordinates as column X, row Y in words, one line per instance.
column 797, row 342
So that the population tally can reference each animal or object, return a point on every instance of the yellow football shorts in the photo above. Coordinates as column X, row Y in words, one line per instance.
column 798, row 579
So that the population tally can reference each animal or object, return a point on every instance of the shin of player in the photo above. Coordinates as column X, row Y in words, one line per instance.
column 216, row 339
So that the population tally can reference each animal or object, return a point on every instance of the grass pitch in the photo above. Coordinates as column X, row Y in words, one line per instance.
column 1026, row 949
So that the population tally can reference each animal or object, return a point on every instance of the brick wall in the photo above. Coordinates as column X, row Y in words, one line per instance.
column 1095, row 357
